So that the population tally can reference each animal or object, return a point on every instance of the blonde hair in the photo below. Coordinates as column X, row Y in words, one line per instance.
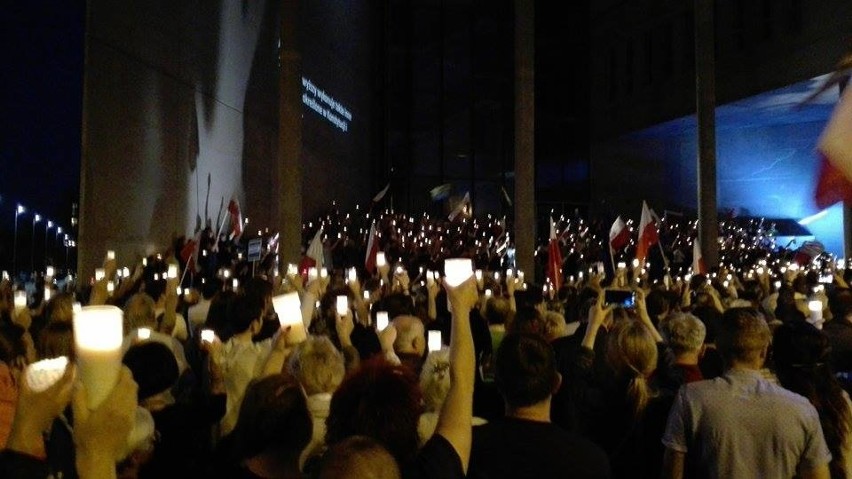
column 317, row 365
column 554, row 325
column 139, row 312
column 632, row 352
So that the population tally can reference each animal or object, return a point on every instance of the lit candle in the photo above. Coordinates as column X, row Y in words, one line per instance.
column 49, row 271
column 478, row 274
column 366, row 294
column 47, row 293
column 430, row 278
column 235, row 284
column 110, row 287
column 288, row 307
column 292, row 270
column 172, row 272
column 98, row 338
column 323, row 272
column 435, row 342
column 381, row 260
column 622, row 265
column 488, row 293
column 382, row 320
column 816, row 313
column 143, row 334
column 635, row 263
column 44, row 374
column 100, row 274
column 313, row 273
column 20, row 300
column 207, row 335
column 342, row 305
column 110, row 255
column 457, row 270
column 353, row 275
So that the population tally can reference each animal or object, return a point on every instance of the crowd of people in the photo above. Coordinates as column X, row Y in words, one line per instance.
column 388, row 370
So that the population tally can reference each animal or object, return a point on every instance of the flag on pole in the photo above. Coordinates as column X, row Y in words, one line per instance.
column 554, row 259
column 372, row 249
column 506, row 196
column 808, row 252
column 647, row 234
column 835, row 155
column 236, row 218
column 189, row 252
column 698, row 266
column 314, row 255
column 441, row 192
column 619, row 235
column 381, row 194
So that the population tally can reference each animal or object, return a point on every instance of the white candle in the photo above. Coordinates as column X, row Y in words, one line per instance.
column 98, row 338
column 235, row 284
column 457, row 270
column 353, row 275
column 435, row 343
column 143, row 334
column 207, row 335
column 292, row 270
column 622, row 265
column 110, row 254
column 46, row 293
column 816, row 312
column 323, row 272
column 382, row 320
column 100, row 274
column 430, row 278
column 366, row 294
column 342, row 305
column 44, row 374
column 381, row 260
column 313, row 273
column 288, row 307
column 635, row 263
column 172, row 272
column 509, row 273
column 20, row 300
column 49, row 271
column 110, row 287
column 488, row 293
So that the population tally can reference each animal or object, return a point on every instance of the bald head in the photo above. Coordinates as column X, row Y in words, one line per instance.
column 410, row 335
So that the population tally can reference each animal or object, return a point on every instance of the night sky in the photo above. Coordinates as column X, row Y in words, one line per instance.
column 41, row 85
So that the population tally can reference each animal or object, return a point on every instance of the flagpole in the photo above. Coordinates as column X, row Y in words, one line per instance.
column 221, row 227
column 665, row 260
column 612, row 260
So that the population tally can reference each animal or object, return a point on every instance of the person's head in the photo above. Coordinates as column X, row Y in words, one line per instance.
column 139, row 312
column 210, row 287
column 381, row 401
column 743, row 338
column 657, row 304
column 632, row 353
column 273, row 419
column 554, row 326
column 410, row 335
column 497, row 310
column 685, row 334
column 154, row 368
column 261, row 290
column 435, row 379
column 156, row 288
column 526, row 370
column 245, row 314
column 317, row 365
column 358, row 457
column 60, row 308
column 56, row 339
column 528, row 320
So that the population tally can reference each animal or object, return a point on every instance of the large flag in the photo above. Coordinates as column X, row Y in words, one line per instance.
column 372, row 249
column 441, row 192
column 314, row 255
column 698, row 266
column 189, row 252
column 619, row 235
column 647, row 234
column 835, row 152
column 808, row 252
column 236, row 218
column 554, row 259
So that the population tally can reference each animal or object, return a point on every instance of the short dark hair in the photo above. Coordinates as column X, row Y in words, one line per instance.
column 526, row 369
column 527, row 320
column 244, row 310
column 381, row 401
column 743, row 333
column 274, row 417
column 154, row 367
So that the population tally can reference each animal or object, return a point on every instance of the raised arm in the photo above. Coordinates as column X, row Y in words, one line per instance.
column 454, row 421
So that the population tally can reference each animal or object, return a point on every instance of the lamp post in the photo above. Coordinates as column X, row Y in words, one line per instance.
column 36, row 219
column 46, row 229
column 19, row 210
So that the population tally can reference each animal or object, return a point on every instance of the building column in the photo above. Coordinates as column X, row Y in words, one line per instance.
column 705, row 93
column 525, row 242
column 289, row 172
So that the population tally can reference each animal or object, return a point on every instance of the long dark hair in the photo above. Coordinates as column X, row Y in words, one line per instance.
column 800, row 352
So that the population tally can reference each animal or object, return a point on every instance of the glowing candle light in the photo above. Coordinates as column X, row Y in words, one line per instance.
column 435, row 341
column 235, row 284
column 100, row 274
column 110, row 255
column 49, row 271
column 381, row 260
column 323, row 272
column 288, row 307
column 488, row 293
column 353, row 275
column 815, row 307
column 382, row 320
column 207, row 335
column 45, row 373
column 98, row 338
column 342, row 305
column 457, row 270
column 172, row 271
column 47, row 293
column 20, row 301
column 143, row 334
column 313, row 273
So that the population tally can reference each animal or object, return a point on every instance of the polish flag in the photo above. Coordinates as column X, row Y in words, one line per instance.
column 647, row 234
column 236, row 218
column 554, row 259
column 698, row 266
column 372, row 249
column 189, row 252
column 619, row 235
column 835, row 152
column 313, row 256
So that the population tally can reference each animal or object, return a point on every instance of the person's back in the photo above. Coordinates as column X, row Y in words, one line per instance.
column 740, row 424
column 525, row 443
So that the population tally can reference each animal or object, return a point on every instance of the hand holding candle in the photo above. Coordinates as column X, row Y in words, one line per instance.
column 288, row 307
column 98, row 337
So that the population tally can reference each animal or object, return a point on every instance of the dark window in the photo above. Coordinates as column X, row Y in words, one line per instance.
column 768, row 26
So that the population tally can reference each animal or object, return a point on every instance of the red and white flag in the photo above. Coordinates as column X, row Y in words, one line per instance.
column 698, row 266
column 372, row 249
column 313, row 256
column 619, row 235
column 835, row 152
column 647, row 234
column 236, row 218
column 189, row 252
column 554, row 259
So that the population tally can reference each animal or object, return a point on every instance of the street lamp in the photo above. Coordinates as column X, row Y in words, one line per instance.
column 36, row 219
column 46, row 229
column 18, row 211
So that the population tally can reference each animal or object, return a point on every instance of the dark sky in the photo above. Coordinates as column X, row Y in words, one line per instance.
column 41, row 85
